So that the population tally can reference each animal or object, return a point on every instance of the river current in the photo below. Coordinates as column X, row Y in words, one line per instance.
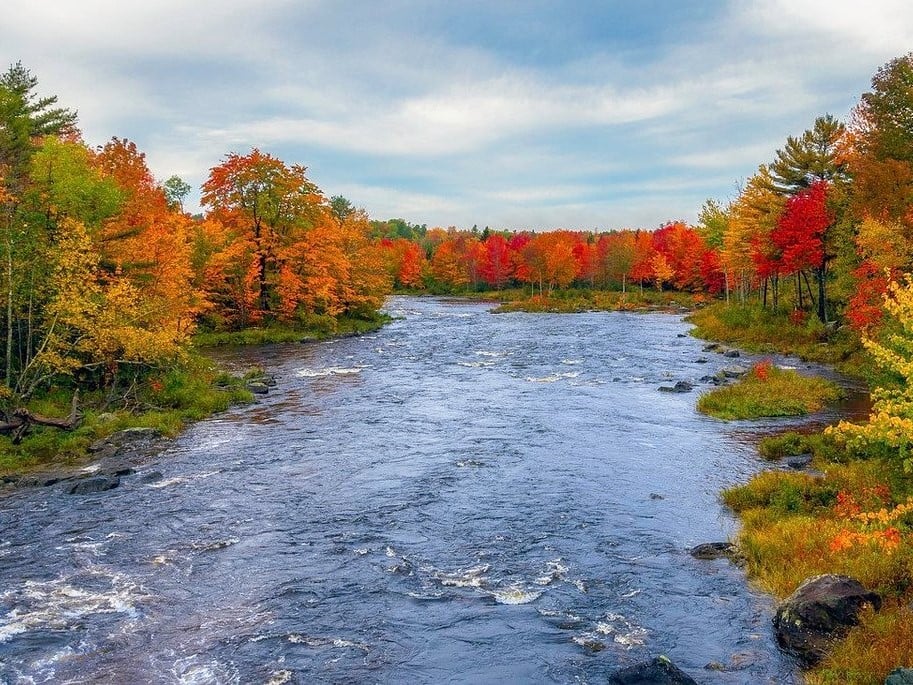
column 460, row 497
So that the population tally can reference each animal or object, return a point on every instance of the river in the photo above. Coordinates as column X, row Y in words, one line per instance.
column 460, row 497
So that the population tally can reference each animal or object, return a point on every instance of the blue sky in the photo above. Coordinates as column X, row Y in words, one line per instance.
column 508, row 114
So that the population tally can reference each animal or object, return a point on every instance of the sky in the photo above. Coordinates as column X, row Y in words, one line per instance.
column 509, row 114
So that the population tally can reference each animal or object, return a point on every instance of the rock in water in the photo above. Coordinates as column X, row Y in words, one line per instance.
column 734, row 371
column 820, row 611
column 258, row 388
column 88, row 486
column 732, row 353
column 660, row 671
column 716, row 550
column 680, row 386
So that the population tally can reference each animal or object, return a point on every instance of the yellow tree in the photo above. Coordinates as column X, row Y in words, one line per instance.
column 889, row 431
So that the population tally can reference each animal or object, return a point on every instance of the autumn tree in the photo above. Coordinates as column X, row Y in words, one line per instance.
column 268, row 206
column 498, row 266
column 800, row 237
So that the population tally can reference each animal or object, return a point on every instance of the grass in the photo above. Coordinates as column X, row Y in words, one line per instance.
column 312, row 328
column 165, row 400
column 796, row 525
column 767, row 391
column 759, row 330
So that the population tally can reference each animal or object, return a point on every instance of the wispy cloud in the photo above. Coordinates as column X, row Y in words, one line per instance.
column 483, row 113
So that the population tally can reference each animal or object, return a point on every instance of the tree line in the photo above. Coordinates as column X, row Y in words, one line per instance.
column 104, row 275
column 102, row 270
column 821, row 229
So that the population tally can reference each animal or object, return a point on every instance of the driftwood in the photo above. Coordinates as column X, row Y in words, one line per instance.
column 22, row 419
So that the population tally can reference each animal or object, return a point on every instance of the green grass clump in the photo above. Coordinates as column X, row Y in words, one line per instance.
column 789, row 444
column 769, row 393
column 757, row 329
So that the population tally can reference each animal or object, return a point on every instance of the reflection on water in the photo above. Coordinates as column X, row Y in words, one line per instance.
column 460, row 497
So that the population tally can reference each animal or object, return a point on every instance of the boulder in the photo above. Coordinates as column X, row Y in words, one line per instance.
column 716, row 550
column 680, row 386
column 659, row 671
column 733, row 371
column 88, row 486
column 258, row 388
column 900, row 676
column 732, row 353
column 820, row 611
column 712, row 347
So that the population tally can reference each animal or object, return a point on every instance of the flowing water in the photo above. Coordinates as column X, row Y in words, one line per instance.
column 461, row 497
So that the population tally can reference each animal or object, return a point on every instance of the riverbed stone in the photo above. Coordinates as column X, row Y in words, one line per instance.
column 258, row 388
column 900, row 676
column 733, row 371
column 819, row 612
column 712, row 347
column 659, row 671
column 88, row 486
column 732, row 354
column 680, row 386
column 40, row 480
column 150, row 477
column 716, row 550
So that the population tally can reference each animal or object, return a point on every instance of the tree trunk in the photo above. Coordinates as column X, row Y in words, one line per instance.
column 9, row 312
column 822, row 300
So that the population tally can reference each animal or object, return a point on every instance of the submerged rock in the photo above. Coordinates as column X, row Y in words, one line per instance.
column 150, row 477
column 716, row 550
column 680, row 386
column 820, row 611
column 659, row 671
column 258, row 388
column 88, row 486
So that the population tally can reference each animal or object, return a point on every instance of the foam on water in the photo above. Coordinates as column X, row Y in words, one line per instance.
column 515, row 594
column 330, row 371
column 473, row 577
column 61, row 604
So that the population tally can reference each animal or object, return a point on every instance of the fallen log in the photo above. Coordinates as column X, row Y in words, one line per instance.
column 22, row 419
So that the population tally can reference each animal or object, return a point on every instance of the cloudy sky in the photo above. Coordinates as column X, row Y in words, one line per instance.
column 513, row 114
